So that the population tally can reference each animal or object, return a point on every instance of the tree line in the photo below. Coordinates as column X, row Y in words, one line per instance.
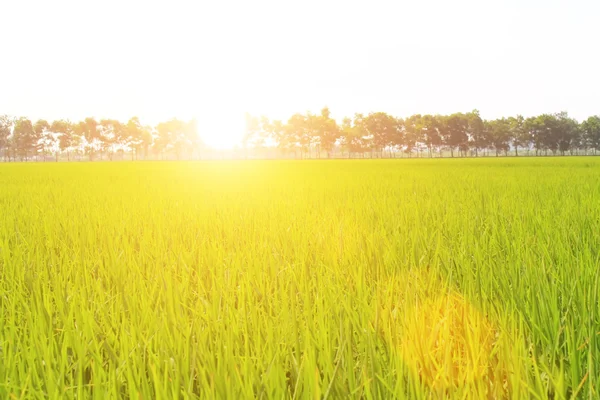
column 23, row 140
column 308, row 135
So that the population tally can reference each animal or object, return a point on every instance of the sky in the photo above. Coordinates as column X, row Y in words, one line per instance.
column 215, row 60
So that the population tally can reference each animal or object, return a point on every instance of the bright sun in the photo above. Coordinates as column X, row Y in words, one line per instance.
column 221, row 129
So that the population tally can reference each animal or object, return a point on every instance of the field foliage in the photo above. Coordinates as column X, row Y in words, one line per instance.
column 295, row 279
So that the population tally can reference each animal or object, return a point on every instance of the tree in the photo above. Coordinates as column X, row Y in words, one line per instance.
column 176, row 135
column 112, row 136
column 137, row 137
column 519, row 134
column 47, row 141
column 88, row 131
column 499, row 134
column 535, row 129
column 568, row 133
column 66, row 136
column 6, row 128
column 381, row 129
column 413, row 132
column 345, row 135
column 455, row 133
column 546, row 132
column 133, row 136
column 363, row 139
column 164, row 139
column 398, row 136
column 25, row 139
column 260, row 139
column 352, row 135
column 276, row 134
column 298, row 134
column 429, row 132
column 327, row 131
column 476, row 133
column 591, row 132
column 377, row 133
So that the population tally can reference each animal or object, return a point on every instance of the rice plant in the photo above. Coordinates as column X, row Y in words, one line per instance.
column 474, row 278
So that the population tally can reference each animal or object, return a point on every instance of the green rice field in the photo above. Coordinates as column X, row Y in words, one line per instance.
column 364, row 279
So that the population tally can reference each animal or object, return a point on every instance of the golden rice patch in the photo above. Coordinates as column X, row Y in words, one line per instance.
column 446, row 343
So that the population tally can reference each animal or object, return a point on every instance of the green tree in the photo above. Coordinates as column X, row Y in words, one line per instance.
column 413, row 132
column 66, row 136
column 519, row 134
column 352, row 135
column 89, row 133
column 164, row 138
column 455, row 133
column 298, row 134
column 327, row 131
column 25, row 138
column 260, row 140
column 546, row 132
column 499, row 135
column 112, row 135
column 428, row 128
column 136, row 137
column 276, row 134
column 133, row 132
column 47, row 141
column 567, row 132
column 535, row 129
column 478, row 140
column 591, row 132
column 399, row 136
column 6, row 129
column 381, row 130
column 177, row 136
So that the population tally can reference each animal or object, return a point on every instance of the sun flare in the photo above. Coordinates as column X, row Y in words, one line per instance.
column 221, row 129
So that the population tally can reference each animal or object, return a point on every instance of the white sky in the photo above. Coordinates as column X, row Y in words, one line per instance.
column 216, row 59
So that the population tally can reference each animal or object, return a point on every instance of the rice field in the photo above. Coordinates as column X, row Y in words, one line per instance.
column 366, row 279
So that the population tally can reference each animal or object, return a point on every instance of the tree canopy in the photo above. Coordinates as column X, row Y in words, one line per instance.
column 304, row 135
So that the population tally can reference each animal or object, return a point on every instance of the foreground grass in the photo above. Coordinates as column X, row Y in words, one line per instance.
column 360, row 279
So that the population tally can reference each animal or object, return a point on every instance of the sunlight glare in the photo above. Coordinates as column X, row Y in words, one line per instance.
column 221, row 129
